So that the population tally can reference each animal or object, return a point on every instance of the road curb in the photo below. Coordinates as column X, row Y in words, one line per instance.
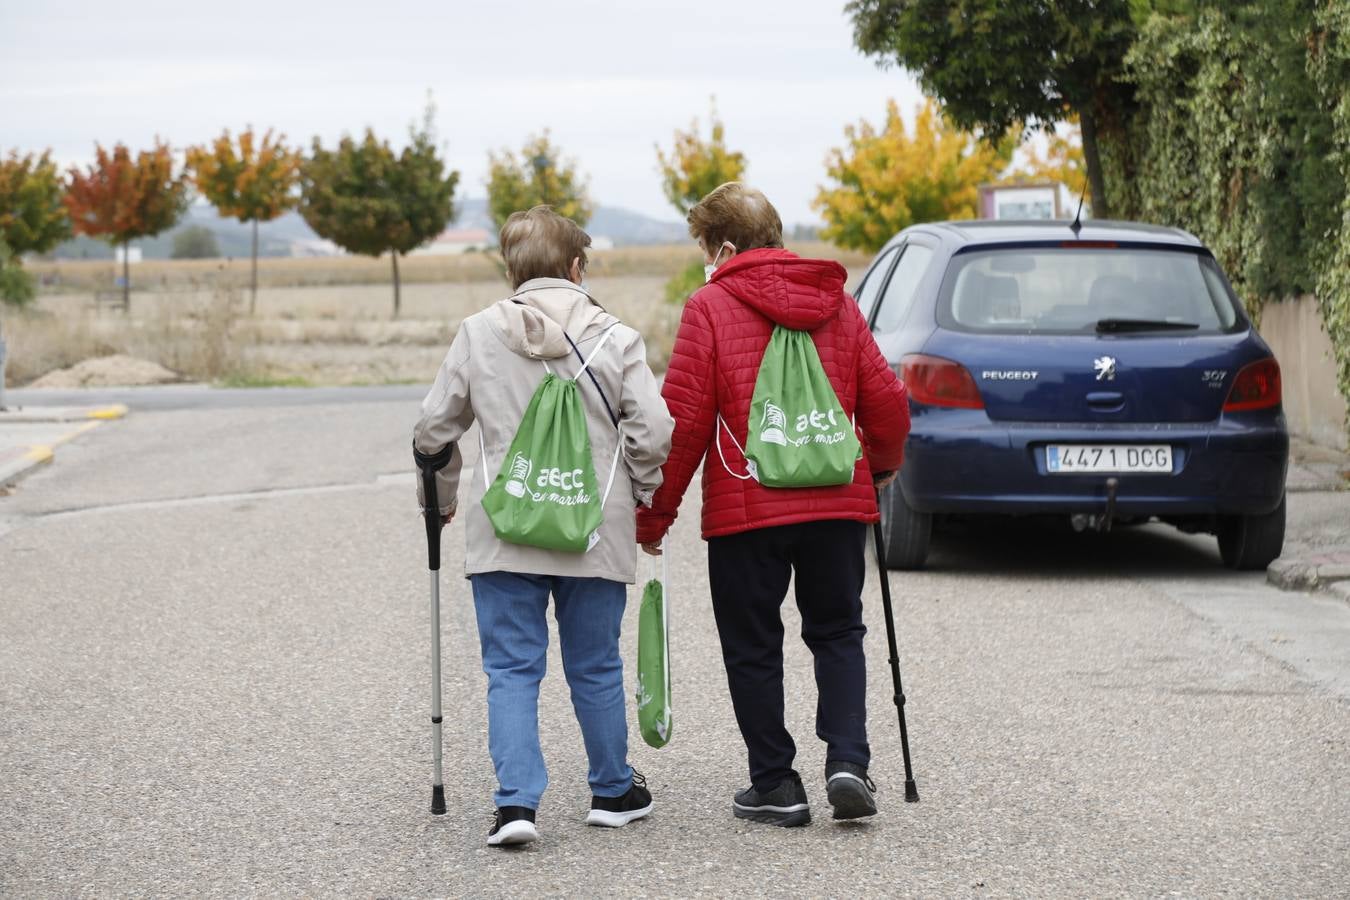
column 18, row 462
column 1317, row 487
column 1329, row 571
column 33, row 414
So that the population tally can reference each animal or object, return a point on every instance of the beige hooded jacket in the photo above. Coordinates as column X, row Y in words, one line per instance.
column 489, row 375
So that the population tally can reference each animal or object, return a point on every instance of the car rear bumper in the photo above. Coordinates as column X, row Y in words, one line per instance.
column 959, row 461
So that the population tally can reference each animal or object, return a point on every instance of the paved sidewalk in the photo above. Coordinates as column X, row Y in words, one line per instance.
column 30, row 435
column 1316, row 468
column 1317, row 554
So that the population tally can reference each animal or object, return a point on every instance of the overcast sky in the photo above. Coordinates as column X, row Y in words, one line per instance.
column 609, row 79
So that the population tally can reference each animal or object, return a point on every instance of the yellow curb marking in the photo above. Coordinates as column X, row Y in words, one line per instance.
column 45, row 453
column 69, row 436
column 116, row 411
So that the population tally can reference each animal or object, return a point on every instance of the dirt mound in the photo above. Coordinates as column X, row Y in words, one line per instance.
column 107, row 371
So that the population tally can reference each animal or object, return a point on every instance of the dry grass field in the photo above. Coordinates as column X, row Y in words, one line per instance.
column 318, row 321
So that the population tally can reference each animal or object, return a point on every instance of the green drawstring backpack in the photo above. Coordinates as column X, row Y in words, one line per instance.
column 797, row 434
column 546, row 494
column 653, row 661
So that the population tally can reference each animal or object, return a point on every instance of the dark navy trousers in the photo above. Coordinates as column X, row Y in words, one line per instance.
column 749, row 575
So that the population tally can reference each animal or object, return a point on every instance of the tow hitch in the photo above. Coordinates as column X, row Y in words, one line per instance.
column 1098, row 521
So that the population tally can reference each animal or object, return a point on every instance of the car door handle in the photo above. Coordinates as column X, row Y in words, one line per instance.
column 1106, row 401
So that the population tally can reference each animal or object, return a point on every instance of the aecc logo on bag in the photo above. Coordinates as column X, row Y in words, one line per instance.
column 820, row 422
column 520, row 471
column 564, row 479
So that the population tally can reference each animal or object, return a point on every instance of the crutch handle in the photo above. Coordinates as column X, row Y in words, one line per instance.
column 430, row 464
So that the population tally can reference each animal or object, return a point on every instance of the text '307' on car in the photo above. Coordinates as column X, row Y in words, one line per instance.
column 1105, row 373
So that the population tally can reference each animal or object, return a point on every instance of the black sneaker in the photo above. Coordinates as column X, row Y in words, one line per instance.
column 850, row 791
column 616, row 812
column 512, row 825
column 785, row 805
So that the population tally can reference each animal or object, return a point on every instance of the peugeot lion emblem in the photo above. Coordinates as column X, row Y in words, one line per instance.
column 1105, row 367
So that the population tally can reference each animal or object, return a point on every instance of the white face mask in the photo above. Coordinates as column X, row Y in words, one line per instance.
column 711, row 267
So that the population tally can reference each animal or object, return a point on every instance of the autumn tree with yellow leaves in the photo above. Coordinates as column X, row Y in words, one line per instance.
column 33, row 218
column 250, row 180
column 1060, row 160
column 539, row 175
column 695, row 166
column 888, row 179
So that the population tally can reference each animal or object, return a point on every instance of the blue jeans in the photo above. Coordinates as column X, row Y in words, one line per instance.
column 513, row 630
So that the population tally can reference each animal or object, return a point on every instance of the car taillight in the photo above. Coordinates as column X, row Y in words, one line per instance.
column 935, row 381
column 1257, row 386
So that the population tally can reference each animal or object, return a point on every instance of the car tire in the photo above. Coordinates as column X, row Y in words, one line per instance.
column 1250, row 543
column 905, row 533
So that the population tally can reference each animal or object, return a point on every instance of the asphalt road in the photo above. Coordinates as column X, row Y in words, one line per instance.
column 204, row 396
column 213, row 677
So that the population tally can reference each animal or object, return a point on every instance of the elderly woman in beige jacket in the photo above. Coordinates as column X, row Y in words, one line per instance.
column 488, row 377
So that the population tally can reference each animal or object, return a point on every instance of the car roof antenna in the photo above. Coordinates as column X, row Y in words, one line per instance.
column 1077, row 224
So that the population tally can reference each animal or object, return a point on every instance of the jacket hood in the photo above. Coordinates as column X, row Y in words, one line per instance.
column 543, row 313
column 801, row 294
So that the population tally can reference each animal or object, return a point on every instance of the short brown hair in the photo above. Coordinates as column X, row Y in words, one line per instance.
column 736, row 213
column 540, row 243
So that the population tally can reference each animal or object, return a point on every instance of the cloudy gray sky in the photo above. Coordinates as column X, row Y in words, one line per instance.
column 609, row 79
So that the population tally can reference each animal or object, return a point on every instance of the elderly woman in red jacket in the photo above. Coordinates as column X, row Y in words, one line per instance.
column 759, row 536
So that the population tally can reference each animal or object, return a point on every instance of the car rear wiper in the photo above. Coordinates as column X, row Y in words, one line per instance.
column 1115, row 326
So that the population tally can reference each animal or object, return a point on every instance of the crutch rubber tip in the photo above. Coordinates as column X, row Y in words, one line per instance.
column 438, row 799
column 911, row 792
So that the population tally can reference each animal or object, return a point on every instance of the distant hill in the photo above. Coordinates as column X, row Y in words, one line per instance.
column 624, row 226
column 289, row 235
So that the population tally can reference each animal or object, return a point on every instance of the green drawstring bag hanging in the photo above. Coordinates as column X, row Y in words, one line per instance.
column 545, row 494
column 653, row 661
column 797, row 434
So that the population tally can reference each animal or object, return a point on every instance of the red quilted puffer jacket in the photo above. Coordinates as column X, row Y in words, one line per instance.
column 723, row 334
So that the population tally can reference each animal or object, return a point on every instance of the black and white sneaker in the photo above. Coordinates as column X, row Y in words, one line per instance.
column 851, row 792
column 616, row 812
column 512, row 825
column 785, row 805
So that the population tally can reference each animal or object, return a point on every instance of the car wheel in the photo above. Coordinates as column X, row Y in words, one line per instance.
column 1252, row 542
column 904, row 532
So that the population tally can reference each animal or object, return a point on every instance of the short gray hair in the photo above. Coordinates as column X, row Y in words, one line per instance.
column 540, row 243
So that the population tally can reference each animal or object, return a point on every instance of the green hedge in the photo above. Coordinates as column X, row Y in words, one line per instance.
column 1329, row 66
column 1241, row 134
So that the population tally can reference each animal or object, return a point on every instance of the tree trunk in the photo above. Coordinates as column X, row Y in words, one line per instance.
column 1101, row 207
column 3, row 363
column 393, row 254
column 253, row 283
column 126, row 276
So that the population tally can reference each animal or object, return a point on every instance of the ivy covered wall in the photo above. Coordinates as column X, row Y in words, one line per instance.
column 1329, row 65
column 1241, row 134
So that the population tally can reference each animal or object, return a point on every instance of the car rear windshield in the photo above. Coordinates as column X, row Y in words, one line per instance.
column 1078, row 289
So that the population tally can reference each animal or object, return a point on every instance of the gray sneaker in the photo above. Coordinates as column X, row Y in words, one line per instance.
column 851, row 792
column 784, row 805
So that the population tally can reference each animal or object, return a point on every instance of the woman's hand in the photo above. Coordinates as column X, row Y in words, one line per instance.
column 652, row 548
column 883, row 479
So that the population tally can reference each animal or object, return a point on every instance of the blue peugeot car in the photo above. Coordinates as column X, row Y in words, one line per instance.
column 1100, row 371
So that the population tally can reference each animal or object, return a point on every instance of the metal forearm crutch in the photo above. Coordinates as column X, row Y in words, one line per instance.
column 430, row 464
column 911, row 790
